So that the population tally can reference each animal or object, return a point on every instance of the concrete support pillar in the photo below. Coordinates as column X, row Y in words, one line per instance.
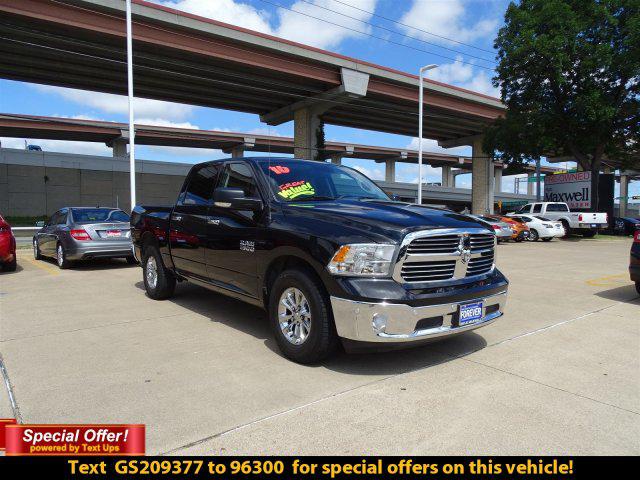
column 531, row 184
column 390, row 170
column 119, row 147
column 448, row 179
column 305, row 125
column 481, row 180
column 497, row 179
column 624, row 193
column 237, row 151
column 336, row 159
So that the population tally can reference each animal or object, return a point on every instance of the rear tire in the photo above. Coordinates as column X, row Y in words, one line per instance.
column 132, row 260
column 11, row 266
column 311, row 313
column 567, row 229
column 61, row 257
column 589, row 234
column 638, row 287
column 533, row 235
column 159, row 282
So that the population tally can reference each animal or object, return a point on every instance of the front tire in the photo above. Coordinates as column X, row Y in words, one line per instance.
column 301, row 319
column 61, row 257
column 159, row 282
column 36, row 250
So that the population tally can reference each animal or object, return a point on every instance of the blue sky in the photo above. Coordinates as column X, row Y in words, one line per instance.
column 459, row 39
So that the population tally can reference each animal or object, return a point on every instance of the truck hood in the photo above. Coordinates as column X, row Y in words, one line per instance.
column 378, row 220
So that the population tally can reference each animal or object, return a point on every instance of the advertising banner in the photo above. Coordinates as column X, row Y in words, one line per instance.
column 574, row 189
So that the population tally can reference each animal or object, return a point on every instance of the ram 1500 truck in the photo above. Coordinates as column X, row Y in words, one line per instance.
column 585, row 223
column 325, row 252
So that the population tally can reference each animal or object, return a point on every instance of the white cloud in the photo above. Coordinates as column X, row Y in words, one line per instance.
column 298, row 27
column 161, row 122
column 465, row 76
column 118, row 104
column 447, row 18
column 227, row 11
column 429, row 145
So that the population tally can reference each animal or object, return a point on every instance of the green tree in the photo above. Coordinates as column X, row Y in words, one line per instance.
column 569, row 74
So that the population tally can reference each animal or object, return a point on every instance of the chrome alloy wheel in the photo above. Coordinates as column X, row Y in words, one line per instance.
column 151, row 272
column 35, row 249
column 60, row 255
column 294, row 316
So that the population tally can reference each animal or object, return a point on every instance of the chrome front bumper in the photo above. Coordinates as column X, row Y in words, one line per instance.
column 355, row 320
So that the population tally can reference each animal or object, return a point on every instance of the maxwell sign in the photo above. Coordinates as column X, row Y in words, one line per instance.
column 574, row 189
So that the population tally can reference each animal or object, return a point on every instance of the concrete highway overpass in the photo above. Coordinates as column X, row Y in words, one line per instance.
column 115, row 135
column 33, row 183
column 184, row 58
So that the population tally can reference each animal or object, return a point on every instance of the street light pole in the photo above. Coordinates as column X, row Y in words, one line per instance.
column 132, row 142
column 420, row 108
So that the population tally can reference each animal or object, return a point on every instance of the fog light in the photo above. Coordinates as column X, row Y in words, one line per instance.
column 379, row 322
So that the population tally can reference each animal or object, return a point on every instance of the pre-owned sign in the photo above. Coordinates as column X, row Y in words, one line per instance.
column 574, row 189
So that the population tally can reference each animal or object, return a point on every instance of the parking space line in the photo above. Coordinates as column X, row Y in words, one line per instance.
column 12, row 398
column 608, row 280
column 44, row 266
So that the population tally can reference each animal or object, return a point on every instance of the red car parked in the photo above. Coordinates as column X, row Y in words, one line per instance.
column 7, row 247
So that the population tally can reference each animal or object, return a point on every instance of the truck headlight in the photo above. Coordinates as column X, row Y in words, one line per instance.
column 362, row 259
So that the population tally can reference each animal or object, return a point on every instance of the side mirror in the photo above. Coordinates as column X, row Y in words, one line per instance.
column 40, row 223
column 235, row 198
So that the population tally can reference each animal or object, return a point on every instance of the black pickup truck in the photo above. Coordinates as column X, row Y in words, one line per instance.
column 325, row 252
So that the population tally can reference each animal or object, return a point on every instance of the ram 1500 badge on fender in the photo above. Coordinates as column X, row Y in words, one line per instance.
column 326, row 252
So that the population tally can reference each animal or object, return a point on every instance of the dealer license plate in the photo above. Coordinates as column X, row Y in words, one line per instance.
column 470, row 313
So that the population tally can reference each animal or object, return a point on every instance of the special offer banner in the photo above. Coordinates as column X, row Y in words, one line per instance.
column 75, row 440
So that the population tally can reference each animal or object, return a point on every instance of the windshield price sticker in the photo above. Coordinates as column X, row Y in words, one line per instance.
column 296, row 189
column 279, row 169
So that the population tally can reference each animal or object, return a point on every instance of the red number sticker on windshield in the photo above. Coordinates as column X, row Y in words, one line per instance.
column 279, row 169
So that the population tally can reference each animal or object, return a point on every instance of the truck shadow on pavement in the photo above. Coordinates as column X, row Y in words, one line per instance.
column 626, row 294
column 253, row 321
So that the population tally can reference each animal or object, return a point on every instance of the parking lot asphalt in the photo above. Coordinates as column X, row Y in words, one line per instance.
column 559, row 373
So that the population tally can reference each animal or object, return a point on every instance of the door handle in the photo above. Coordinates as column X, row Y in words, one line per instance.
column 177, row 218
column 213, row 221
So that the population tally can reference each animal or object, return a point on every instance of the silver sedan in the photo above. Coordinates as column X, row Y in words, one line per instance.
column 82, row 233
column 502, row 230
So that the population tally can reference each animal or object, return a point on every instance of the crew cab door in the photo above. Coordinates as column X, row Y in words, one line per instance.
column 234, row 236
column 188, row 222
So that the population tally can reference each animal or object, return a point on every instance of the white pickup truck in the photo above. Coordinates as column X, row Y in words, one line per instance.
column 586, row 223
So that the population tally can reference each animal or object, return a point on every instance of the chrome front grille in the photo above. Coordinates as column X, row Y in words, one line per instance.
column 482, row 241
column 480, row 265
column 437, row 255
column 428, row 271
column 435, row 244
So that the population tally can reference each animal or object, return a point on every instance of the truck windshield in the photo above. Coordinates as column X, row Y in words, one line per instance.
column 299, row 180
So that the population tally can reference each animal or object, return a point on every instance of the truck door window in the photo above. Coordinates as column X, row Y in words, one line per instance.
column 537, row 208
column 525, row 209
column 557, row 207
column 199, row 191
column 239, row 175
